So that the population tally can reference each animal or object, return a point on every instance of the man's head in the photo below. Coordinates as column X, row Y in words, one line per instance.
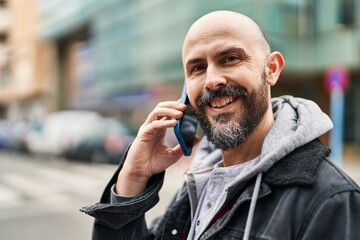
column 229, row 69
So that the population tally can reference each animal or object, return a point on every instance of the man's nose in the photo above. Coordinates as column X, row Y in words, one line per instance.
column 214, row 78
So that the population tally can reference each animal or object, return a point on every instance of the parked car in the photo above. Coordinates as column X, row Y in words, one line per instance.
column 107, row 143
column 4, row 134
column 81, row 135
column 61, row 130
column 12, row 135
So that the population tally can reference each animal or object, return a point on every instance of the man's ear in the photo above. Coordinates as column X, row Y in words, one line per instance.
column 274, row 67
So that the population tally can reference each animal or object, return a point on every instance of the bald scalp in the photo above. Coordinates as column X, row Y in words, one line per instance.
column 228, row 19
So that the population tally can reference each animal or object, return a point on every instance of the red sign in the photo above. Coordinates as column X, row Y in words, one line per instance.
column 337, row 76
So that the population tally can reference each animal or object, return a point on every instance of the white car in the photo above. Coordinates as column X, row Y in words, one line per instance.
column 62, row 130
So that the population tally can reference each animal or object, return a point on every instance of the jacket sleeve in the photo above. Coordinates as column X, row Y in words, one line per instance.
column 124, row 219
column 338, row 217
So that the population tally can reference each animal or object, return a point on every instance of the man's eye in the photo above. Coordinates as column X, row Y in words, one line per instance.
column 197, row 68
column 230, row 59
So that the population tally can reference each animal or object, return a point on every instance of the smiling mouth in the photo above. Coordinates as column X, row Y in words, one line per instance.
column 220, row 102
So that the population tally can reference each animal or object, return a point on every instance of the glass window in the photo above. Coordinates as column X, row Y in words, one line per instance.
column 347, row 12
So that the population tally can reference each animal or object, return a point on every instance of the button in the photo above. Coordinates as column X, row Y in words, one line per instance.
column 208, row 205
column 198, row 222
column 174, row 232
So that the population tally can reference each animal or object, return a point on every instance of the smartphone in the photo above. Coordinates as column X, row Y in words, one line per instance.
column 186, row 126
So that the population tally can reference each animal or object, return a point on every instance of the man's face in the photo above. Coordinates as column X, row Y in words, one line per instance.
column 229, row 129
column 226, row 80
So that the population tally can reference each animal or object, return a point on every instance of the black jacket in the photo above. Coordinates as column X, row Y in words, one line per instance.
column 302, row 196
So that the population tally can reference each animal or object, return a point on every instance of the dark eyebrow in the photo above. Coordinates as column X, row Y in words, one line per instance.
column 194, row 61
column 231, row 50
column 220, row 54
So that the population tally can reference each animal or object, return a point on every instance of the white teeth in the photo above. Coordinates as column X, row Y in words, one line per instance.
column 221, row 102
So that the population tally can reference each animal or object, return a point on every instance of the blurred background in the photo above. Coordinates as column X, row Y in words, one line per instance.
column 77, row 78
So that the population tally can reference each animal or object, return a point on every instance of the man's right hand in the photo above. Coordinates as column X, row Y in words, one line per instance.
column 149, row 154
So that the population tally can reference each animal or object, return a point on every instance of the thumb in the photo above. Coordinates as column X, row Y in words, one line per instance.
column 177, row 152
column 177, row 149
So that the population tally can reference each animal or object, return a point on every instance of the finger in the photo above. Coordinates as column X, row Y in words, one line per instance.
column 177, row 152
column 158, row 124
column 172, row 104
column 161, row 112
column 163, row 123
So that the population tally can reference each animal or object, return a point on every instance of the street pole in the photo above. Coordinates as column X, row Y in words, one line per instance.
column 337, row 80
column 337, row 116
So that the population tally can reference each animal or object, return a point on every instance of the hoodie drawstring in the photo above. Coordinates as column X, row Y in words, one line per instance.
column 254, row 198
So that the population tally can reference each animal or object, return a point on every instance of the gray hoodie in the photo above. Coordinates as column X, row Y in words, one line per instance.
column 297, row 122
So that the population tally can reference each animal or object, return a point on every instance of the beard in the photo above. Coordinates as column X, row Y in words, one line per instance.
column 227, row 134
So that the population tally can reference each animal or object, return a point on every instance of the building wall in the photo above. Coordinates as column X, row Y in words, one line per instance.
column 24, row 95
column 5, row 25
column 98, row 53
column 145, row 37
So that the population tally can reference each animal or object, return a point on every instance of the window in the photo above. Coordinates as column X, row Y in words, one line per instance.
column 347, row 12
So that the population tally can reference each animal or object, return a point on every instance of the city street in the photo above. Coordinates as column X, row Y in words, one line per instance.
column 40, row 197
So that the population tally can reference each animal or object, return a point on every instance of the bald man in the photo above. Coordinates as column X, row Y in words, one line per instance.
column 259, row 172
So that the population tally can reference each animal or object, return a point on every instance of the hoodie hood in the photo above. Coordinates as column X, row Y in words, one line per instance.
column 297, row 122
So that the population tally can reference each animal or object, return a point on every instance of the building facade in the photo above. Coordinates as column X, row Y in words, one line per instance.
column 25, row 69
column 120, row 55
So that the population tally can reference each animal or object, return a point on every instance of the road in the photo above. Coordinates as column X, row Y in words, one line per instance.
column 40, row 197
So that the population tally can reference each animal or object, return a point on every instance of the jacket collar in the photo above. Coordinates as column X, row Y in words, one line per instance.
column 298, row 167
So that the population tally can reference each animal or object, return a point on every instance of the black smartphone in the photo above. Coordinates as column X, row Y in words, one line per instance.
column 186, row 126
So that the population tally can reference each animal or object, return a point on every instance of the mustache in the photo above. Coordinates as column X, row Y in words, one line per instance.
column 210, row 95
